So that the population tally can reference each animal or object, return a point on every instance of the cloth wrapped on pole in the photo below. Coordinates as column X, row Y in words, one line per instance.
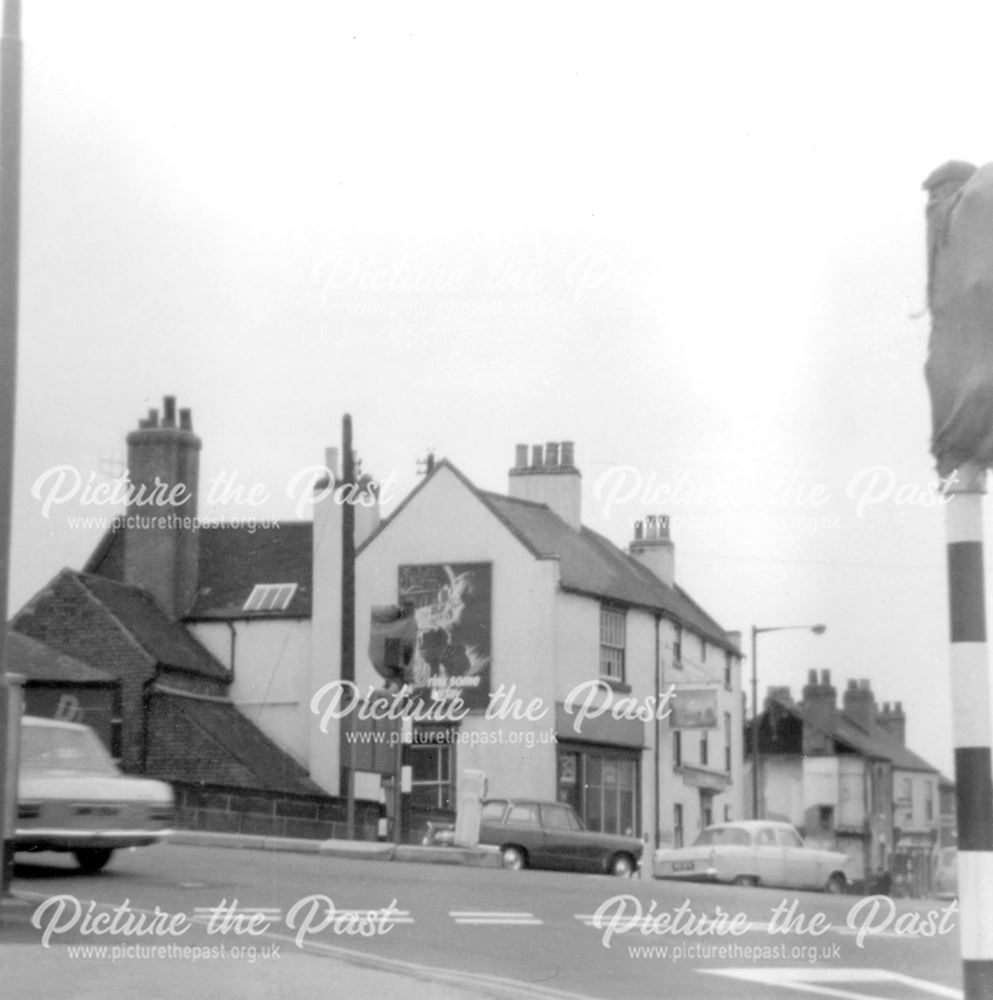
column 959, row 368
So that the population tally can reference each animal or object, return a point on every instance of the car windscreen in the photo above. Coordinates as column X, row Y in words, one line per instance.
column 722, row 836
column 55, row 748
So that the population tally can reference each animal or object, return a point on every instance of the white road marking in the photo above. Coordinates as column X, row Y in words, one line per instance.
column 807, row 980
column 511, row 918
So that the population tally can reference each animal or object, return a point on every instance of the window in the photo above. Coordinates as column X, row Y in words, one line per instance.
column 492, row 812
column 612, row 641
column 765, row 838
column 704, row 756
column 677, row 749
column 523, row 815
column 727, row 670
column 789, row 838
column 270, row 597
column 928, row 801
column 677, row 822
column 727, row 742
column 677, row 649
column 723, row 836
column 610, row 794
column 432, row 761
column 703, row 650
column 559, row 818
column 727, row 814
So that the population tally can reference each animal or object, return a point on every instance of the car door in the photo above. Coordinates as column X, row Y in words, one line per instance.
column 522, row 826
column 567, row 844
column 802, row 864
column 770, row 857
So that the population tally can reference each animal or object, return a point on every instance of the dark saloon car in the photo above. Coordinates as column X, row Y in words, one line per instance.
column 532, row 834
column 72, row 797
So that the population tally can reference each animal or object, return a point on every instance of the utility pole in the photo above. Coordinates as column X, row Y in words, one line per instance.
column 347, row 784
column 10, row 193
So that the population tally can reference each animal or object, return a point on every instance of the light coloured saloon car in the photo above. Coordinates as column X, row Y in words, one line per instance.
column 72, row 797
column 754, row 852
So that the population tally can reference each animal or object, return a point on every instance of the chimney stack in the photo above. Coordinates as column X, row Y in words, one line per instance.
column 860, row 704
column 552, row 479
column 820, row 714
column 893, row 721
column 164, row 472
column 653, row 547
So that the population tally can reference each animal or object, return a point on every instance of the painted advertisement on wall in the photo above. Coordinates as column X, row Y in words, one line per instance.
column 454, row 614
column 694, row 708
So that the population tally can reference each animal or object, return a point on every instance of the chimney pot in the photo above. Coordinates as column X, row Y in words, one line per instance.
column 812, row 678
column 826, row 678
column 899, row 706
column 153, row 418
column 552, row 453
column 568, row 454
column 521, row 458
column 169, row 411
column 536, row 459
column 639, row 527
column 186, row 419
column 852, row 685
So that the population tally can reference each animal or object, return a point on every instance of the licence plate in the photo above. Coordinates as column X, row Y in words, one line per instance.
column 682, row 866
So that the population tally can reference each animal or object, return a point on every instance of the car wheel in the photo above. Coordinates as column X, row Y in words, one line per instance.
column 92, row 859
column 622, row 865
column 749, row 881
column 514, row 858
column 835, row 884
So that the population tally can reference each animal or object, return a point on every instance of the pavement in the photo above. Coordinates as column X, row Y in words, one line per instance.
column 62, row 972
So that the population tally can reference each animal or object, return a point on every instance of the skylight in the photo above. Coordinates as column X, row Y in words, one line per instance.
column 270, row 597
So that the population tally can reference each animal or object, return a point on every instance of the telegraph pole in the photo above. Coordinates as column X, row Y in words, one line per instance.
column 347, row 783
column 10, row 192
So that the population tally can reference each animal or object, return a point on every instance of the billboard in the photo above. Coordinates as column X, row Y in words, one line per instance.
column 693, row 708
column 453, row 614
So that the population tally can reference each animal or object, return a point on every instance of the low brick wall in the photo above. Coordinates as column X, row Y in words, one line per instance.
column 221, row 809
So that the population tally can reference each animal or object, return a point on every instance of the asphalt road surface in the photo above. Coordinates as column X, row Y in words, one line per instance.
column 494, row 932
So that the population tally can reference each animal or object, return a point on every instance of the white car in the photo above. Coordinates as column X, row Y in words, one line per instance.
column 755, row 852
column 72, row 797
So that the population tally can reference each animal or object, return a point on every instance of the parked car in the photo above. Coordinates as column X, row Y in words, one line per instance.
column 946, row 873
column 755, row 852
column 72, row 797
column 534, row 834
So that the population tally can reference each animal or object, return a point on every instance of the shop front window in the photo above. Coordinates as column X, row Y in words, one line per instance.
column 601, row 787
column 432, row 763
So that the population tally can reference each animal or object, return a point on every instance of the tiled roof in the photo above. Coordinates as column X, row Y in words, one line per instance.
column 210, row 742
column 878, row 743
column 592, row 564
column 38, row 662
column 232, row 561
column 167, row 642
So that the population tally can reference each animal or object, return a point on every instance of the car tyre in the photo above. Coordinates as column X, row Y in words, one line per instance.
column 835, row 885
column 748, row 881
column 514, row 858
column 622, row 865
column 92, row 859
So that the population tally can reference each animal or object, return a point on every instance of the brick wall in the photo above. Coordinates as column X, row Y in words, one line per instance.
column 66, row 617
column 236, row 810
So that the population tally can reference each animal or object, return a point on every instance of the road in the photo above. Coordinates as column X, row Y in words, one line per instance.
column 504, row 933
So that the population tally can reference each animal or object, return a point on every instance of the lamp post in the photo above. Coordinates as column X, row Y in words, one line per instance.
column 756, row 631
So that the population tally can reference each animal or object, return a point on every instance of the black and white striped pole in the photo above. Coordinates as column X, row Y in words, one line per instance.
column 971, row 712
column 959, row 373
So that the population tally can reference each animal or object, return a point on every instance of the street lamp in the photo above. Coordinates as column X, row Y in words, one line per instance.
column 756, row 631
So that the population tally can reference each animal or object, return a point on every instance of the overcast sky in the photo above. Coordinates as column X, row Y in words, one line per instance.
column 688, row 237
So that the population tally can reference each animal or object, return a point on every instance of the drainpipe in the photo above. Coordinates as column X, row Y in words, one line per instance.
column 658, row 694
column 234, row 643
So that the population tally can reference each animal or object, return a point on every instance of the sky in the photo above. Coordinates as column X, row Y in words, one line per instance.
column 688, row 237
